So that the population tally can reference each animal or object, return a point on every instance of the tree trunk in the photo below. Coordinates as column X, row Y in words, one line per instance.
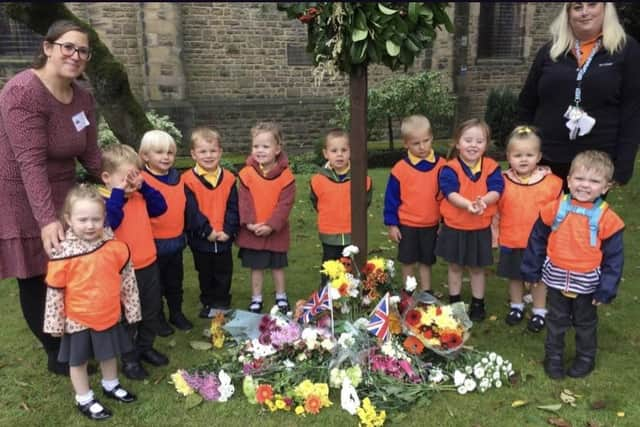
column 108, row 77
column 358, row 89
column 390, row 128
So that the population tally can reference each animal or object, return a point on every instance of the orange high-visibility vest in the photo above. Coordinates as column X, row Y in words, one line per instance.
column 91, row 284
column 334, row 204
column 135, row 231
column 419, row 194
column 460, row 218
column 265, row 192
column 519, row 208
column 171, row 223
column 212, row 201
column 569, row 245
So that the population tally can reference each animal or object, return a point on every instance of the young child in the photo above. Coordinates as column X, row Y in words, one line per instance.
column 412, row 202
column 528, row 187
column 211, row 190
column 266, row 193
column 130, row 203
column 471, row 184
column 576, row 249
column 330, row 195
column 89, row 280
column 158, row 152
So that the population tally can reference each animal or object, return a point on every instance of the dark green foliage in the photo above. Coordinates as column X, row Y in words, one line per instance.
column 630, row 17
column 501, row 114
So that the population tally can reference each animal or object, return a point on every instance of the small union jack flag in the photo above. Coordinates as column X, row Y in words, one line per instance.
column 317, row 303
column 379, row 321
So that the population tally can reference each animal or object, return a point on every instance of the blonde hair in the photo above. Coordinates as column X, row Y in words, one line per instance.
column 81, row 192
column 270, row 127
column 414, row 123
column 563, row 40
column 462, row 127
column 593, row 160
column 335, row 134
column 115, row 155
column 156, row 140
column 523, row 133
column 206, row 134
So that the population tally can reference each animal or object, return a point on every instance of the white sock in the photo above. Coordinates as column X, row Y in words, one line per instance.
column 256, row 298
column 83, row 399
column 542, row 312
column 518, row 306
column 110, row 384
column 281, row 295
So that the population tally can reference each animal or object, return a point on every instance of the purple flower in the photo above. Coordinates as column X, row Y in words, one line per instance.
column 209, row 388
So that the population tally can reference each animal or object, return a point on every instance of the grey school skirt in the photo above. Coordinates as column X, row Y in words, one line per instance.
column 79, row 347
column 468, row 248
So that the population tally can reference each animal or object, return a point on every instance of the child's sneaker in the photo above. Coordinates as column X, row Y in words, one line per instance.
column 514, row 317
column 536, row 323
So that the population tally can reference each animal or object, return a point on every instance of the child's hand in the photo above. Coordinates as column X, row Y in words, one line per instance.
column 263, row 230
column 222, row 237
column 480, row 201
column 212, row 237
column 472, row 207
column 251, row 227
column 135, row 179
column 394, row 233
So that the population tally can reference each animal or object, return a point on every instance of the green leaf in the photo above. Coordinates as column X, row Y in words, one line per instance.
column 393, row 49
column 193, row 400
column 200, row 345
column 406, row 57
column 359, row 34
column 386, row 10
column 551, row 408
column 357, row 51
column 413, row 11
column 411, row 45
column 401, row 27
column 372, row 52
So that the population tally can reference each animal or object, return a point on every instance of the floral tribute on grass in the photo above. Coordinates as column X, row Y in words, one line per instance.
column 381, row 349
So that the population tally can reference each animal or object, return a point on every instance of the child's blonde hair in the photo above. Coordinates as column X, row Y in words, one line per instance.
column 462, row 127
column 115, row 155
column 270, row 127
column 593, row 160
column 410, row 125
column 81, row 192
column 206, row 134
column 156, row 140
column 335, row 134
column 523, row 133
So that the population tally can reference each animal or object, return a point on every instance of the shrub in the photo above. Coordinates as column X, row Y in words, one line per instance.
column 106, row 136
column 501, row 114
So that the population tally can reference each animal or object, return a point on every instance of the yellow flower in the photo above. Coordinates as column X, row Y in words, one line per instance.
column 217, row 333
column 368, row 416
column 378, row 263
column 280, row 404
column 180, row 384
column 333, row 269
column 300, row 410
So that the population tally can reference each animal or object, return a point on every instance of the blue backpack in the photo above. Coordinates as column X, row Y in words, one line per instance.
column 594, row 213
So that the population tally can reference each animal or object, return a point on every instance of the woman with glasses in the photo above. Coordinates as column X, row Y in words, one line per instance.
column 47, row 122
column 583, row 89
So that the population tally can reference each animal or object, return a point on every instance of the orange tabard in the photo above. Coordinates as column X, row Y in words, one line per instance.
column 135, row 231
column 212, row 202
column 419, row 204
column 171, row 223
column 569, row 247
column 91, row 284
column 461, row 219
column 265, row 192
column 519, row 208
column 334, row 204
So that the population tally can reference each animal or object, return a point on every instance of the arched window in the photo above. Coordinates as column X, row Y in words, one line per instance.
column 16, row 40
column 500, row 30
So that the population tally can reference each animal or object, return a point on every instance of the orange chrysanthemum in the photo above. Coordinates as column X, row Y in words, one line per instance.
column 395, row 326
column 413, row 345
column 264, row 392
column 313, row 404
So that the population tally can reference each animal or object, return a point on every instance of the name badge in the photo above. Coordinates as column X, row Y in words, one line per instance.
column 80, row 121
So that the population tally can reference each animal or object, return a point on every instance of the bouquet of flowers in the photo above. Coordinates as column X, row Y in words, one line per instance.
column 442, row 329
column 207, row 385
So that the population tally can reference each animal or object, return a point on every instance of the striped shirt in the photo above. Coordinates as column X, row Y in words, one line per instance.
column 570, row 281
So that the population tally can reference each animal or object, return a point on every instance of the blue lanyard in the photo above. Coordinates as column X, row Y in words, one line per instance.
column 582, row 70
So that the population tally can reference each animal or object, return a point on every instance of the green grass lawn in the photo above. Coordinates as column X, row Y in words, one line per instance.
column 32, row 396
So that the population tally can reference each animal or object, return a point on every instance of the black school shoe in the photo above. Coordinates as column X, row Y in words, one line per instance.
column 154, row 357
column 134, row 371
column 536, row 323
column 477, row 312
column 180, row 321
column 119, row 394
column 97, row 415
column 164, row 329
column 514, row 317
column 581, row 367
column 554, row 367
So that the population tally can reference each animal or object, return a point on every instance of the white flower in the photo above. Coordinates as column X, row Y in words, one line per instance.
column 345, row 309
column 274, row 310
column 458, row 378
column 226, row 389
column 411, row 284
column 309, row 334
column 361, row 323
column 350, row 250
column 334, row 293
column 366, row 300
column 496, row 375
column 301, row 357
column 349, row 400
column 485, row 360
column 492, row 356
column 328, row 344
column 478, row 372
column 336, row 377
column 288, row 364
column 498, row 384
column 499, row 360
column 436, row 376
column 346, row 340
column 468, row 370
column 485, row 383
column 394, row 299
column 469, row 384
column 462, row 390
column 391, row 268
column 242, row 359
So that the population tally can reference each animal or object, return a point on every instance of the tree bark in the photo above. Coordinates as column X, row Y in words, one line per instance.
column 107, row 75
column 358, row 89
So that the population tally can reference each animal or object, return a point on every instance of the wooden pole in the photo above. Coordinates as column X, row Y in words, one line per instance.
column 358, row 93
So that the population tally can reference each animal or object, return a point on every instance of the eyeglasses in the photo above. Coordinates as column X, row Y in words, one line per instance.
column 69, row 49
